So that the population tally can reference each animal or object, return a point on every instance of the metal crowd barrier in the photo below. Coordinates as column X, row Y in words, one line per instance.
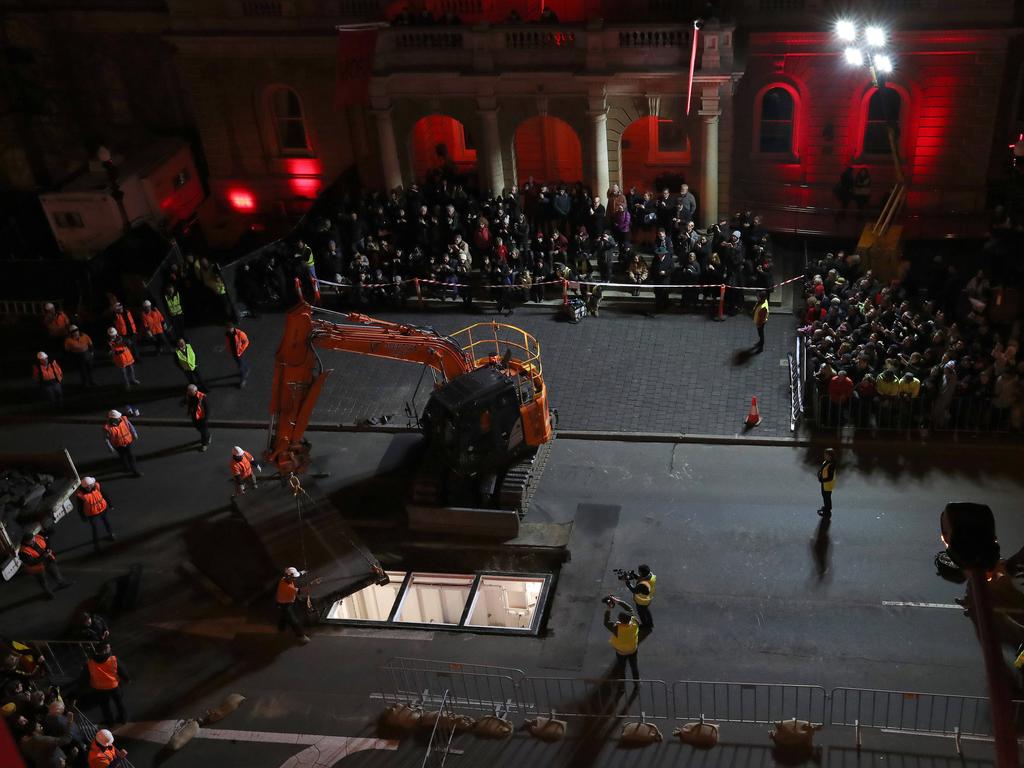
column 87, row 728
column 597, row 697
column 441, row 736
column 748, row 702
column 64, row 658
column 468, row 687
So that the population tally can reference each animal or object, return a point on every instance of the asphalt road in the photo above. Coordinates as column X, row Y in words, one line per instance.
column 749, row 589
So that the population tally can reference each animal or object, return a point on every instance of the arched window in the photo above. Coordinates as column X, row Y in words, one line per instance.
column 286, row 112
column 885, row 105
column 778, row 115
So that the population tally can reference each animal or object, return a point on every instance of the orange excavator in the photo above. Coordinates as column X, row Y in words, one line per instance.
column 484, row 422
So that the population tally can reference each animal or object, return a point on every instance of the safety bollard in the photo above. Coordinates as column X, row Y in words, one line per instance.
column 720, row 316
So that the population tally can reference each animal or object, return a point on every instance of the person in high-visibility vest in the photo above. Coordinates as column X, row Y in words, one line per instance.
column 93, row 506
column 288, row 591
column 153, row 326
column 127, row 328
column 625, row 640
column 103, row 753
column 106, row 674
column 123, row 357
column 238, row 342
column 827, row 479
column 55, row 321
column 50, row 376
column 186, row 358
column 121, row 436
column 643, row 594
column 241, row 469
column 37, row 558
column 78, row 346
column 198, row 407
column 175, row 314
column 761, row 313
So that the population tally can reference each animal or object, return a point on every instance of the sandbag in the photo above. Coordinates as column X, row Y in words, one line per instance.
column 401, row 717
column 184, row 732
column 225, row 708
column 457, row 723
column 794, row 734
column 547, row 728
column 493, row 727
column 640, row 734
column 701, row 735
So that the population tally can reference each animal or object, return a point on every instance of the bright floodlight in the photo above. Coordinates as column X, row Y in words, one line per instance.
column 883, row 64
column 854, row 56
column 846, row 30
column 875, row 36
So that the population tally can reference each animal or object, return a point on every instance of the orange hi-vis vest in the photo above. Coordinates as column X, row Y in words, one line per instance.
column 287, row 591
column 154, row 321
column 240, row 342
column 93, row 502
column 119, row 434
column 78, row 346
column 37, row 552
column 100, row 756
column 49, row 372
column 103, row 674
column 121, row 353
column 196, row 409
column 242, row 467
column 57, row 326
column 125, row 323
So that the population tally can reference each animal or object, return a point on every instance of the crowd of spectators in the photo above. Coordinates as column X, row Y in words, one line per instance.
column 910, row 353
column 513, row 247
column 40, row 710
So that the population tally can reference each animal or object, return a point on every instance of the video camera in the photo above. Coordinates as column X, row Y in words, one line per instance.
column 624, row 575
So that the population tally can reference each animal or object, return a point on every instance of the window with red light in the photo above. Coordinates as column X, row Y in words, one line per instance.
column 289, row 122
column 778, row 113
column 885, row 105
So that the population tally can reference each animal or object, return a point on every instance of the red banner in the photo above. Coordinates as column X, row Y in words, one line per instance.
column 355, row 65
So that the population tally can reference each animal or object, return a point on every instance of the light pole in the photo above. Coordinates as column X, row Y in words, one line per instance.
column 107, row 161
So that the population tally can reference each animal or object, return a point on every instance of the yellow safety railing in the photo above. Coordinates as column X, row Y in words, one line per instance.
column 484, row 340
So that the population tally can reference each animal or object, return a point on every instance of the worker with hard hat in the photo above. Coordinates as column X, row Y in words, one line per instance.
column 78, row 347
column 55, row 321
column 38, row 558
column 153, row 325
column 121, row 436
column 238, row 342
column 288, row 591
column 242, row 469
column 186, row 359
column 127, row 328
column 197, row 405
column 123, row 357
column 106, row 673
column 175, row 313
column 103, row 753
column 49, row 376
column 93, row 506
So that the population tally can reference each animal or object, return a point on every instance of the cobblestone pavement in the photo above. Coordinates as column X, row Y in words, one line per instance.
column 622, row 371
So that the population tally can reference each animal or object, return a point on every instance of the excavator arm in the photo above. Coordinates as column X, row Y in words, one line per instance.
column 299, row 375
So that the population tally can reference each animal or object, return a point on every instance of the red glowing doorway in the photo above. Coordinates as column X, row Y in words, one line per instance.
column 547, row 149
column 440, row 143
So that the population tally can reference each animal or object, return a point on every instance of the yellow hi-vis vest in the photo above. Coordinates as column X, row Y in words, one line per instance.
column 830, row 483
column 641, row 599
column 626, row 638
column 757, row 312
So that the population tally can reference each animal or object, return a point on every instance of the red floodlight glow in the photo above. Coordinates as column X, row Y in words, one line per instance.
column 242, row 200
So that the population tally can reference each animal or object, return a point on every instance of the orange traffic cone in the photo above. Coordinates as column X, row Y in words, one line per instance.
column 753, row 416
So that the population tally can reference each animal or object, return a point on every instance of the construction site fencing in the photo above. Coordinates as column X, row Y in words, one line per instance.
column 597, row 697
column 64, row 658
column 441, row 735
column 748, row 702
column 468, row 687
column 88, row 729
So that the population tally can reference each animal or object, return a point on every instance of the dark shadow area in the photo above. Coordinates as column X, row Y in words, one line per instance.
column 742, row 357
column 821, row 546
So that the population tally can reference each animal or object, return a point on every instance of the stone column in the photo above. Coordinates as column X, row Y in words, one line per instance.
column 711, row 113
column 599, row 128
column 388, row 149
column 489, row 164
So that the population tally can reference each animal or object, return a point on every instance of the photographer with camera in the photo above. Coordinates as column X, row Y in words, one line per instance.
column 625, row 637
column 641, row 583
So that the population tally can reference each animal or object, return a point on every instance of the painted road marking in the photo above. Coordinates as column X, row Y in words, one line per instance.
column 320, row 751
column 901, row 604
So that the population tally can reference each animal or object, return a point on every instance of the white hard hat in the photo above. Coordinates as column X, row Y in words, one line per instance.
column 41, row 356
column 88, row 481
column 113, row 414
column 48, row 306
column 147, row 303
column 111, row 332
column 237, row 451
column 291, row 571
column 104, row 737
column 119, row 305
column 72, row 329
column 192, row 389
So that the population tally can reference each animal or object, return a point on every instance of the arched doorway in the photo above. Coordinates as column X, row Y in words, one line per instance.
column 655, row 153
column 440, row 142
column 547, row 149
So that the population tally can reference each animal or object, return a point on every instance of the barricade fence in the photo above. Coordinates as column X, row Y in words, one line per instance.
column 476, row 689
column 64, row 658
